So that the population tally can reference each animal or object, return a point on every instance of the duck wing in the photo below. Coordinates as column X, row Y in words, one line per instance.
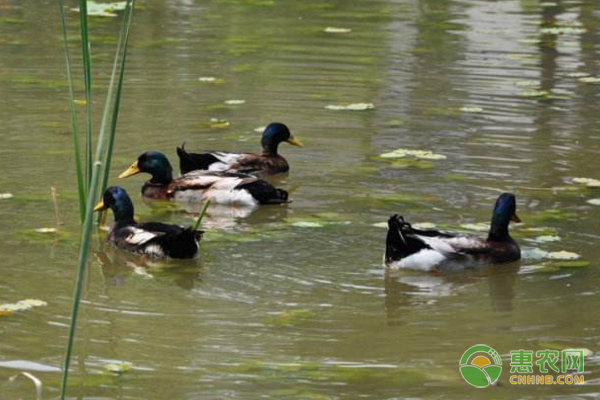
column 211, row 161
column 408, row 247
column 170, row 240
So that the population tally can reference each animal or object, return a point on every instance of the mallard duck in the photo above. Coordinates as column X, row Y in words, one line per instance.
column 154, row 239
column 407, row 247
column 218, row 187
column 268, row 162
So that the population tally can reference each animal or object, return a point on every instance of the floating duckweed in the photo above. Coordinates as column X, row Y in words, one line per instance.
column 118, row 368
column 351, row 107
column 420, row 154
column 529, row 41
column 478, row 226
column 594, row 202
column 577, row 74
column 562, row 30
column 528, row 83
column 307, row 224
column 4, row 196
column 234, row 102
column 589, row 79
column 219, row 123
column 535, row 93
column 291, row 317
column 211, row 79
column 471, row 109
column 589, row 182
column 547, row 239
column 46, row 230
column 331, row 29
column 22, row 305
column 424, row 225
column 567, row 264
column 551, row 215
column 104, row 9
column 394, row 122
column 562, row 255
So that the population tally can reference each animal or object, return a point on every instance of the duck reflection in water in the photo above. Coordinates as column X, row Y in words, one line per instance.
column 404, row 291
column 220, row 216
column 119, row 266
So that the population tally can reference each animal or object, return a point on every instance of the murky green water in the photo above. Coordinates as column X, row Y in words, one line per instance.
column 275, row 309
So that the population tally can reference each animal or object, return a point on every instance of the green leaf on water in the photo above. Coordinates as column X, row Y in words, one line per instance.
column 471, row 109
column 219, row 123
column 118, row 368
column 234, row 102
column 562, row 255
column 351, row 107
column 291, row 317
column 547, row 239
column 419, row 154
column 589, row 182
column 577, row 74
column 478, row 226
column 22, row 305
column 104, row 9
column 211, row 79
column 535, row 93
column 589, row 79
column 331, row 29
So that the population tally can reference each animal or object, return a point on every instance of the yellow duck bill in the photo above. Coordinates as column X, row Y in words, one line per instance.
column 99, row 206
column 132, row 170
column 295, row 142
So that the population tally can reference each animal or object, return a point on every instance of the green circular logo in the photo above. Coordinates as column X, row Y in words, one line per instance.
column 480, row 365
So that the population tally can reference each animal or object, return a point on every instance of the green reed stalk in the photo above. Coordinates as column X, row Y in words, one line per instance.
column 124, row 43
column 87, row 73
column 74, row 125
column 201, row 216
column 94, row 170
column 84, row 249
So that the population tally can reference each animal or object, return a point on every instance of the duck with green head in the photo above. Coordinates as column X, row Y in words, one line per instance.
column 154, row 239
column 427, row 250
column 268, row 162
column 219, row 187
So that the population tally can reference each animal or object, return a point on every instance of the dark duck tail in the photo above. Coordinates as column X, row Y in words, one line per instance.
column 265, row 193
column 185, row 244
column 192, row 161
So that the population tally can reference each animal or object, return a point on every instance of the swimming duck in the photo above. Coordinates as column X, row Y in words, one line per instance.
column 407, row 247
column 220, row 187
column 154, row 239
column 268, row 162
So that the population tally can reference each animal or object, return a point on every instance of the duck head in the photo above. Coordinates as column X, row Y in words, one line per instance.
column 117, row 199
column 505, row 211
column 274, row 134
column 153, row 163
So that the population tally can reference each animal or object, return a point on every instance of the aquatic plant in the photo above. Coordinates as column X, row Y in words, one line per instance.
column 92, row 172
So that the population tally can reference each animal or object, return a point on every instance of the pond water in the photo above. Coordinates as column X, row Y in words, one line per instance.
column 292, row 302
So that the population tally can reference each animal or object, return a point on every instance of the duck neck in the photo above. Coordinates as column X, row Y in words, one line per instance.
column 499, row 229
column 123, row 211
column 162, row 176
column 269, row 148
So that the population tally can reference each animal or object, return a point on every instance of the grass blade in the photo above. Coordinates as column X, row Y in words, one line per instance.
column 84, row 249
column 87, row 73
column 201, row 216
column 74, row 125
column 123, row 42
